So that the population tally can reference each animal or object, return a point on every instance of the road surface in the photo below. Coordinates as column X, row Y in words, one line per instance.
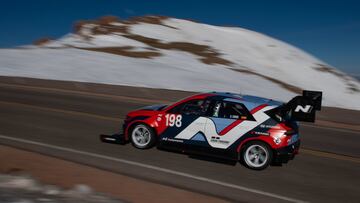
column 65, row 122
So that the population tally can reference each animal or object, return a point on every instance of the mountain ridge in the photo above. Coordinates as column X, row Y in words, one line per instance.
column 257, row 63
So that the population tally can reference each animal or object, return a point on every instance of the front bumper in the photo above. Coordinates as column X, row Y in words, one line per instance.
column 283, row 155
column 117, row 138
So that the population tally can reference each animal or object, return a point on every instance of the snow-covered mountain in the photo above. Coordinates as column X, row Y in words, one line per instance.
column 162, row 52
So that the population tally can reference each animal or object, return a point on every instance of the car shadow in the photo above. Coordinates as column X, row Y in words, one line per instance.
column 213, row 159
column 201, row 157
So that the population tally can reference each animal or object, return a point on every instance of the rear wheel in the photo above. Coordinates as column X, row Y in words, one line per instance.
column 256, row 155
column 142, row 136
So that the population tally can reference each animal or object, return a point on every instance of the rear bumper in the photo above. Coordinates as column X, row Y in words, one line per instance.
column 283, row 155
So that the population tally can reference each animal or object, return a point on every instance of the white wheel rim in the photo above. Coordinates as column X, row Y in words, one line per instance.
column 256, row 156
column 141, row 136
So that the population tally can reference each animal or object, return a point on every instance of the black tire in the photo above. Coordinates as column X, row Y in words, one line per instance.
column 256, row 155
column 142, row 136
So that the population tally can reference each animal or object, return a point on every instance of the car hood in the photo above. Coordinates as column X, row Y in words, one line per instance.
column 156, row 107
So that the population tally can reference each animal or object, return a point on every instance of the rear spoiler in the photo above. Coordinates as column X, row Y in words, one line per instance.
column 303, row 108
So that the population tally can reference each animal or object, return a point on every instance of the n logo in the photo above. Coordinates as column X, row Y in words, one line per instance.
column 304, row 109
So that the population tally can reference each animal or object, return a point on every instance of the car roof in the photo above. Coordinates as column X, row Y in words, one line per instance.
column 248, row 100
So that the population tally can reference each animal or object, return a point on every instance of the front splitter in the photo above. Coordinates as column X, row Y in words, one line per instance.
column 115, row 138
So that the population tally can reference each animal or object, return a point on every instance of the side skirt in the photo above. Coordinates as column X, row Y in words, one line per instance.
column 192, row 149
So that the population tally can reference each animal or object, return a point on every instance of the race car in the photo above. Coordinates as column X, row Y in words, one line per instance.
column 253, row 130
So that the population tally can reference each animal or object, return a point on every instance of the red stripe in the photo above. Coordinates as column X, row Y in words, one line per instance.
column 258, row 108
column 237, row 122
column 229, row 127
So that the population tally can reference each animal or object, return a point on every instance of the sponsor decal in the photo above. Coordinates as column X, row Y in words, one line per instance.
column 172, row 140
column 270, row 126
column 260, row 133
column 218, row 140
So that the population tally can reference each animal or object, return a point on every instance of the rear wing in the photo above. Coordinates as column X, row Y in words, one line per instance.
column 303, row 108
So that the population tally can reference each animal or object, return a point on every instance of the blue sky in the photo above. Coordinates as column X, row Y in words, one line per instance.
column 330, row 30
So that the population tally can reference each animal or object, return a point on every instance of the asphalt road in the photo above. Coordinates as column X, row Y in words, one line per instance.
column 65, row 123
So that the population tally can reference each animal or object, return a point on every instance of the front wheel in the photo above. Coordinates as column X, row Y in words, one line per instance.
column 142, row 136
column 256, row 155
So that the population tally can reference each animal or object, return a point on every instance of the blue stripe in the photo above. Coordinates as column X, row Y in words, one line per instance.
column 221, row 123
column 198, row 137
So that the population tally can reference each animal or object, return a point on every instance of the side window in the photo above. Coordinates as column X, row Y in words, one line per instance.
column 231, row 110
column 193, row 107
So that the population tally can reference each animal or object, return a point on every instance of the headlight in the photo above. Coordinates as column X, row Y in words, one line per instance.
column 127, row 118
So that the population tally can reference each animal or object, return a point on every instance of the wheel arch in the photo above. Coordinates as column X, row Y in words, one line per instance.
column 249, row 140
column 133, row 124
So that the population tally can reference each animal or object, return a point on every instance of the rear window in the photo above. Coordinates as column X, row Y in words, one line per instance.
column 275, row 114
column 279, row 114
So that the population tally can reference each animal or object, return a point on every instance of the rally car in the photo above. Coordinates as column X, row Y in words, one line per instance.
column 253, row 130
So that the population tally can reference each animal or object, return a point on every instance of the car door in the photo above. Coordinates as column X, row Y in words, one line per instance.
column 185, row 123
column 227, row 123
